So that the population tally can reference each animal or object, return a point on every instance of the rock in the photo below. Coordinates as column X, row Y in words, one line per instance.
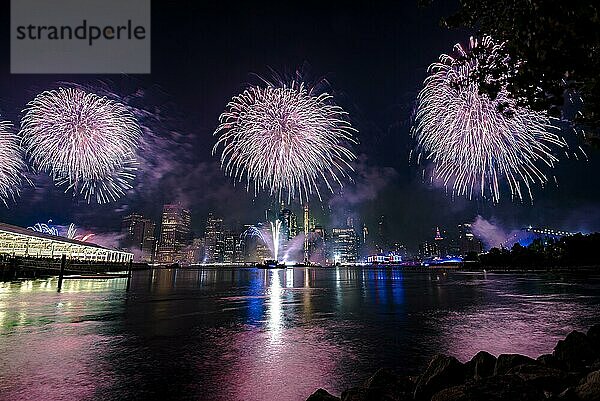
column 575, row 351
column 506, row 362
column 550, row 361
column 443, row 372
column 589, row 387
column 481, row 365
column 456, row 393
column 322, row 395
column 593, row 336
column 542, row 377
column 369, row 394
column 495, row 388
column 568, row 395
column 390, row 384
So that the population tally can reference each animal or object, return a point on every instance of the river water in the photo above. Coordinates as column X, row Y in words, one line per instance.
column 249, row 334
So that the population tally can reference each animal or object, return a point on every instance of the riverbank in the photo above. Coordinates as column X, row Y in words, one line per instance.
column 570, row 373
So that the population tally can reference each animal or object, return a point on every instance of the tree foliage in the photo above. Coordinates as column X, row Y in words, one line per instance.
column 575, row 250
column 554, row 48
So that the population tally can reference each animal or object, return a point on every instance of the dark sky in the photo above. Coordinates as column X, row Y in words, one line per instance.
column 375, row 56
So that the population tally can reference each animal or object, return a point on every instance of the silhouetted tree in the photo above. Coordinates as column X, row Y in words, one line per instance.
column 557, row 44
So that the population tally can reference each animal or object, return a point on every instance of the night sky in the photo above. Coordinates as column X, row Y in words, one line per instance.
column 374, row 56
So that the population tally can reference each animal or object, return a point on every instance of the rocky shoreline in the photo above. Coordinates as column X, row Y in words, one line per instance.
column 570, row 373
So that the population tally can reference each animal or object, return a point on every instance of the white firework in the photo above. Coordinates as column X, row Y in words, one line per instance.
column 473, row 141
column 85, row 142
column 285, row 140
column 12, row 166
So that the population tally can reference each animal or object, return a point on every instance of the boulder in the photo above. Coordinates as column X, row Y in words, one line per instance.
column 593, row 336
column 369, row 394
column 550, row 361
column 568, row 395
column 575, row 351
column 322, row 395
column 443, row 372
column 542, row 377
column 456, row 393
column 481, row 365
column 506, row 362
column 390, row 384
column 495, row 388
column 589, row 387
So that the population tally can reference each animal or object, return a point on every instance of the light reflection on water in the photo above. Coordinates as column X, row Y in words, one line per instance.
column 249, row 334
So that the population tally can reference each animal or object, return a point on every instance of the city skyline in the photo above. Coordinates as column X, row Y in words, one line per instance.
column 227, row 241
column 179, row 167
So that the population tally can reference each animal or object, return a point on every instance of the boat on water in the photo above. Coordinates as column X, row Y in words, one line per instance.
column 271, row 264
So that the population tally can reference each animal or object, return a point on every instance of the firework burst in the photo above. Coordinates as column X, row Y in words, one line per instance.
column 12, row 166
column 475, row 142
column 85, row 142
column 285, row 141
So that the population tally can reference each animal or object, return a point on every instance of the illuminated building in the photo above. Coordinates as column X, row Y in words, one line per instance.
column 214, row 245
column 343, row 245
column 392, row 258
column 232, row 247
column 427, row 250
column 191, row 254
column 289, row 224
column 467, row 242
column 317, row 251
column 440, row 244
column 18, row 241
column 306, row 233
column 175, row 233
column 138, row 236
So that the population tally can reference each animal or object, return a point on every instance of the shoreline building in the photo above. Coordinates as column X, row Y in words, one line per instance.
column 138, row 237
column 214, row 241
column 175, row 234
column 21, row 242
column 467, row 242
column 344, row 245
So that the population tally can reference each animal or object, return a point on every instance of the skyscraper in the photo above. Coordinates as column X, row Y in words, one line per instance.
column 175, row 233
column 214, row 241
column 467, row 242
column 343, row 245
column 232, row 247
column 306, row 232
column 138, row 237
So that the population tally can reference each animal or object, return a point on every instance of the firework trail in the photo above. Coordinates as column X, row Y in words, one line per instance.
column 45, row 228
column 72, row 234
column 83, row 141
column 285, row 140
column 12, row 166
column 476, row 142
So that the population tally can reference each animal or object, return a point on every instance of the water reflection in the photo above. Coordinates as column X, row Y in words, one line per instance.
column 274, row 310
column 249, row 334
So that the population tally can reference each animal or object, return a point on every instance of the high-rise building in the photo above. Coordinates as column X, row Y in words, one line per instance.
column 192, row 253
column 306, row 228
column 214, row 241
column 289, row 224
column 343, row 245
column 232, row 247
column 138, row 237
column 467, row 242
column 427, row 250
column 440, row 243
column 175, row 233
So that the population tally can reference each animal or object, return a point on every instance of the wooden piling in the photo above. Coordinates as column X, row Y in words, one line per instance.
column 129, row 274
column 63, row 262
